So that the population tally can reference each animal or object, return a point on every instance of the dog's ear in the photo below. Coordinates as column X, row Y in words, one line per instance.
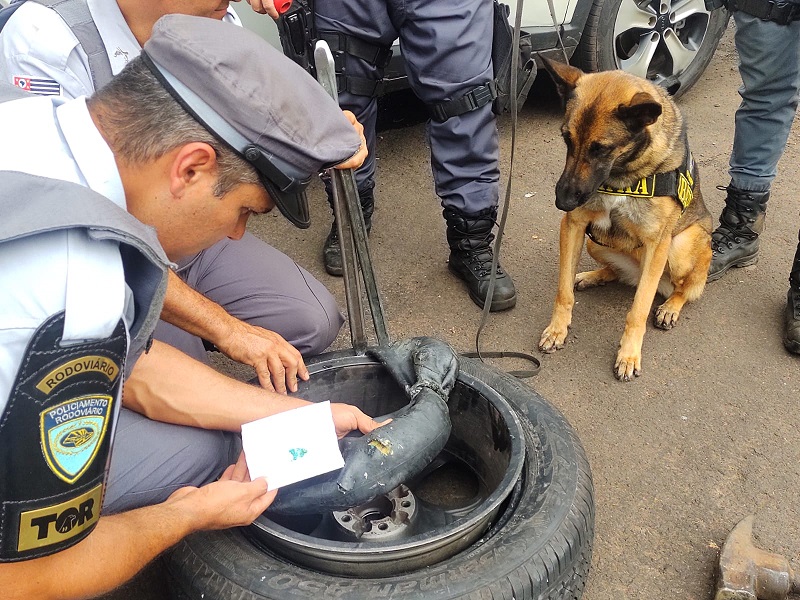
column 641, row 111
column 564, row 76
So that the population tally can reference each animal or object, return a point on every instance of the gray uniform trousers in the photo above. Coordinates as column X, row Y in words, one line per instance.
column 447, row 50
column 257, row 284
column 769, row 64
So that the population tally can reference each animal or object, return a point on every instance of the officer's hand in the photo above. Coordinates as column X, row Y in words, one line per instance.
column 347, row 418
column 278, row 364
column 358, row 158
column 264, row 7
column 232, row 501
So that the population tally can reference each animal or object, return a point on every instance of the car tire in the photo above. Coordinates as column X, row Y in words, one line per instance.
column 539, row 547
column 680, row 43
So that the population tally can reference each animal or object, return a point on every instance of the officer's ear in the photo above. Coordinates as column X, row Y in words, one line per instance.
column 191, row 164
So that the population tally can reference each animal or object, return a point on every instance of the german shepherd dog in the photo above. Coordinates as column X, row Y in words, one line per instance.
column 630, row 185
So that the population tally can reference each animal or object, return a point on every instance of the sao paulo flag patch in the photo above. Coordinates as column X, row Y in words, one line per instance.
column 38, row 85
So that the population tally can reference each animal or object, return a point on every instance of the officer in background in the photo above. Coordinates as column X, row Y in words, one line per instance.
column 767, row 41
column 81, row 277
column 447, row 50
column 250, row 301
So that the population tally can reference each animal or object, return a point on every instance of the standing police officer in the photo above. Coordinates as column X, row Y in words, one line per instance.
column 447, row 50
column 768, row 44
column 81, row 277
column 252, row 302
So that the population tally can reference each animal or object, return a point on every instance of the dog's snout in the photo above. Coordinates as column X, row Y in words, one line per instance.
column 568, row 196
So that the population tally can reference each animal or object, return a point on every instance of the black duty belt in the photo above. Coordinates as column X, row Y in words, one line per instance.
column 781, row 13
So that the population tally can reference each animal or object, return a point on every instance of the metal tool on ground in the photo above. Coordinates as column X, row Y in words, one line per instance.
column 356, row 259
column 425, row 368
column 749, row 573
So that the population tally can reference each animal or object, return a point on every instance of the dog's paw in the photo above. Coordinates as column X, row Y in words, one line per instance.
column 584, row 281
column 666, row 317
column 627, row 367
column 553, row 339
column 590, row 279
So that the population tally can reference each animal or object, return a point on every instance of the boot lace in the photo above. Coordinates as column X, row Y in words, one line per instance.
column 333, row 237
column 733, row 223
column 794, row 299
column 480, row 263
column 480, row 258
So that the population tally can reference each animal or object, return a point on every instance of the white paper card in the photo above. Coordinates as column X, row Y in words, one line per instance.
column 292, row 446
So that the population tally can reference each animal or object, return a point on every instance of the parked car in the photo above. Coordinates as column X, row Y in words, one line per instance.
column 668, row 41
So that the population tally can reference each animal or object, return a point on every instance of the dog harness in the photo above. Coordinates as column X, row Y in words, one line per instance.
column 678, row 184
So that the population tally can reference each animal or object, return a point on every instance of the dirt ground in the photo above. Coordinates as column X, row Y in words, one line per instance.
column 705, row 436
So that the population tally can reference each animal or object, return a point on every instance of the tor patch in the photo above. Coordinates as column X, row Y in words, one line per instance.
column 72, row 432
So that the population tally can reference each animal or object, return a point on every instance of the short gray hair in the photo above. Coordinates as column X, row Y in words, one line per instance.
column 142, row 122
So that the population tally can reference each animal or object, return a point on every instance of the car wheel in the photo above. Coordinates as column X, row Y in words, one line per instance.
column 669, row 42
column 513, row 481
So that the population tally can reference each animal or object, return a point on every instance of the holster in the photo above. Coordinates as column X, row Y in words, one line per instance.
column 502, row 53
column 298, row 33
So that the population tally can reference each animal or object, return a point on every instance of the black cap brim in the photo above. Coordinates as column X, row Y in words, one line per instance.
column 293, row 205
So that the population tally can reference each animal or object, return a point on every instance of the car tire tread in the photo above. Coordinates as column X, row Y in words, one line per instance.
column 542, row 551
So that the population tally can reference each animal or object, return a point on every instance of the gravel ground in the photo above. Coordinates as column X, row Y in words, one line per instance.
column 707, row 435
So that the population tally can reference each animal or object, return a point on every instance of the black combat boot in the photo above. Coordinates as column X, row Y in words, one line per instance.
column 332, row 250
column 791, row 331
column 470, row 239
column 735, row 242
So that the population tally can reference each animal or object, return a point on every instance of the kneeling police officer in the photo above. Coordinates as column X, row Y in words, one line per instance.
column 83, row 276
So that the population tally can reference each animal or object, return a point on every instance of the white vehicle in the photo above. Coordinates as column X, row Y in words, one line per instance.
column 668, row 41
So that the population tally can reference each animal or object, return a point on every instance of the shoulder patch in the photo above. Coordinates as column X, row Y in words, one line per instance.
column 38, row 85
column 71, row 434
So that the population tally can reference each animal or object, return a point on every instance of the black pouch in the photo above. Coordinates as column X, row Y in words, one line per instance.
column 502, row 42
column 296, row 31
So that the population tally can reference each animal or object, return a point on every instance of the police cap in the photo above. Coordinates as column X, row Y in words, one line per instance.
column 253, row 98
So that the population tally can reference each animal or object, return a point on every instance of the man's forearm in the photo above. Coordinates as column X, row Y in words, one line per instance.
column 118, row 548
column 189, row 310
column 169, row 386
